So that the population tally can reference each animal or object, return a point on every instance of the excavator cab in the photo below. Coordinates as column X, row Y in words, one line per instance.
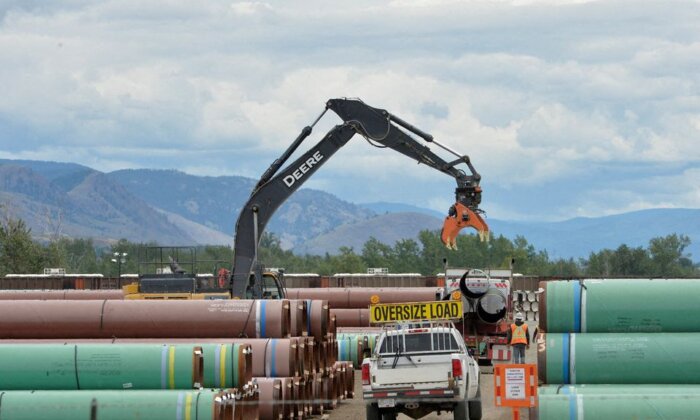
column 271, row 286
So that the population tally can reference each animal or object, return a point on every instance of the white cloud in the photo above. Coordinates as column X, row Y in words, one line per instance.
column 532, row 90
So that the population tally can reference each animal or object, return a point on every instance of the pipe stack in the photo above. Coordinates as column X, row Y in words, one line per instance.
column 354, row 345
column 144, row 318
column 270, row 358
column 527, row 302
column 116, row 405
column 619, row 349
column 86, row 294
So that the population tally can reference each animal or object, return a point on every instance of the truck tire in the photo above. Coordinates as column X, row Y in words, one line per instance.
column 475, row 406
column 389, row 415
column 474, row 410
column 372, row 412
column 461, row 411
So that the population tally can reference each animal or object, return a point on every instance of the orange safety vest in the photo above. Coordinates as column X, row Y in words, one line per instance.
column 518, row 334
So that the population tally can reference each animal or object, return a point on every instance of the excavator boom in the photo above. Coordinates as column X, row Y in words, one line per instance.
column 380, row 128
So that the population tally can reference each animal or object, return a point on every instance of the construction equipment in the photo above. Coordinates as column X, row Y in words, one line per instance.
column 381, row 129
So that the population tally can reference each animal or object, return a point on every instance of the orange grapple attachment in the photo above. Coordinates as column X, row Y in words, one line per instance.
column 463, row 217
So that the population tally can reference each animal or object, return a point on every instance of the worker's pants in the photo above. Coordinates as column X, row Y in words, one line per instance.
column 518, row 353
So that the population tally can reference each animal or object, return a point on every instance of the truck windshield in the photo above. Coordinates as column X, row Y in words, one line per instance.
column 419, row 343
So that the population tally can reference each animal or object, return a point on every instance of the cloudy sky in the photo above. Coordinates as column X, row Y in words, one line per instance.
column 567, row 108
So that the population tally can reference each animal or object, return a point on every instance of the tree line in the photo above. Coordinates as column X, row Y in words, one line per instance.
column 663, row 257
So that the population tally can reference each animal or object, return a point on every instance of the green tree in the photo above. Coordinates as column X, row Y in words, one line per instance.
column 405, row 255
column 19, row 254
column 376, row 254
column 348, row 262
column 668, row 258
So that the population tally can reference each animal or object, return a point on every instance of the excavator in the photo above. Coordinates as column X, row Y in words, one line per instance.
column 248, row 278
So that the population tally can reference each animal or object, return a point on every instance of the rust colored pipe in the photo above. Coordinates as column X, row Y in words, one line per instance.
column 144, row 318
column 360, row 297
column 93, row 294
column 351, row 317
column 329, row 401
column 284, row 352
column 270, row 397
column 308, row 355
column 61, row 294
column 318, row 318
column 286, row 401
column 299, row 386
column 298, row 318
column 317, row 406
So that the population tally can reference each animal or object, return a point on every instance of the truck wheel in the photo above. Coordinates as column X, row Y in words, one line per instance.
column 389, row 415
column 474, row 410
column 461, row 411
column 372, row 412
column 475, row 407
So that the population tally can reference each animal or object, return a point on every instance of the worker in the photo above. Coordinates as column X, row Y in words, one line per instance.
column 518, row 338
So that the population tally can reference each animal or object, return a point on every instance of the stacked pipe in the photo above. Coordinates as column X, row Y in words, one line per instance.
column 527, row 302
column 61, row 294
column 354, row 345
column 619, row 349
column 350, row 306
column 174, row 344
column 144, row 318
column 116, row 405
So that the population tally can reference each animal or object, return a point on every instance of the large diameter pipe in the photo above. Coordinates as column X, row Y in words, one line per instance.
column 354, row 317
column 617, row 305
column 361, row 297
column 227, row 365
column 492, row 307
column 317, row 318
column 317, row 400
column 286, row 399
column 270, row 398
column 100, row 366
column 300, row 397
column 61, row 294
column 630, row 358
column 355, row 346
column 109, row 405
column 299, row 323
column 144, row 318
column 273, row 357
column 473, row 287
column 612, row 402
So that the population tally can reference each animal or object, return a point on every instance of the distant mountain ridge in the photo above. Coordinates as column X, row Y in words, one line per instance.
column 76, row 201
column 216, row 202
column 174, row 208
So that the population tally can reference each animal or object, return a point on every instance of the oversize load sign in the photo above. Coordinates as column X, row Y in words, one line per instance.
column 415, row 311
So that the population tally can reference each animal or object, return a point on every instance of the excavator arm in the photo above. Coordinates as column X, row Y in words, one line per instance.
column 380, row 126
column 377, row 126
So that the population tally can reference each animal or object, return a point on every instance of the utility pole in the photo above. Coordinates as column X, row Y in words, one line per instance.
column 119, row 259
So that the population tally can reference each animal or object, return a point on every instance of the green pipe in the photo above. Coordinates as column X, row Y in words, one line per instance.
column 37, row 366
column 98, row 366
column 221, row 366
column 631, row 358
column 613, row 402
column 620, row 305
column 347, row 349
column 107, row 405
column 352, row 346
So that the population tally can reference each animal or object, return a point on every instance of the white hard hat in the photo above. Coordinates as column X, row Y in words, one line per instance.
column 519, row 316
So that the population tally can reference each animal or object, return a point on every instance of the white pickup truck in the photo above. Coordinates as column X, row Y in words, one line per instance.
column 419, row 369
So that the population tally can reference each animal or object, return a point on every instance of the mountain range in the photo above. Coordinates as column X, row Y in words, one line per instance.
column 174, row 208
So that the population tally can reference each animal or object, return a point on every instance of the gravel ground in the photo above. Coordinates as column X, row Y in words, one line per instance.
column 354, row 409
